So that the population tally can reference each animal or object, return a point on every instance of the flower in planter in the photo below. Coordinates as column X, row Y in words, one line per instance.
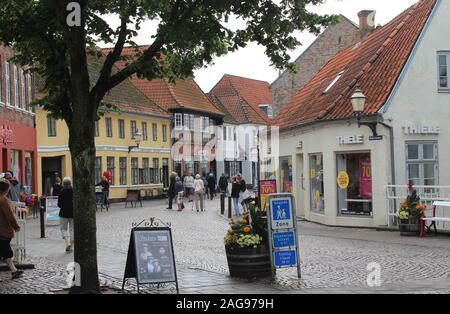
column 247, row 229
column 411, row 207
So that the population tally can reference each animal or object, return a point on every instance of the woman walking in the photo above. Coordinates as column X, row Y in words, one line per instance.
column 56, row 188
column 8, row 225
column 179, row 192
column 235, row 192
column 171, row 192
column 199, row 189
column 65, row 203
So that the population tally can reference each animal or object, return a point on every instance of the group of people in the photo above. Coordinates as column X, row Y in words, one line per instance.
column 191, row 189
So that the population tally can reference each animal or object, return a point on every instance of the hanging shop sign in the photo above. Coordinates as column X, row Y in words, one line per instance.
column 6, row 135
column 283, row 232
column 267, row 187
column 343, row 180
column 150, row 259
column 421, row 129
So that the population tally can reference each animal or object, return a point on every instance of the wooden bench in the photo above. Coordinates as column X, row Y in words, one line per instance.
column 424, row 228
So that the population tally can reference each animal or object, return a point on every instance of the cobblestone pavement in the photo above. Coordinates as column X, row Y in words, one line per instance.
column 334, row 260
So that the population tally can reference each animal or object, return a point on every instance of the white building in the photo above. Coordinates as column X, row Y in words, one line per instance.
column 247, row 106
column 342, row 172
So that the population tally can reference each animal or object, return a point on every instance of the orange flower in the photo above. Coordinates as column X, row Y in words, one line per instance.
column 420, row 207
column 247, row 229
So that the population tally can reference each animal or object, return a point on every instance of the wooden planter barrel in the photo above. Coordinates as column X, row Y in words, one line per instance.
column 249, row 262
column 409, row 227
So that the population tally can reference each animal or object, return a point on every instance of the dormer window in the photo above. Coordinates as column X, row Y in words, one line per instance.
column 338, row 77
column 267, row 110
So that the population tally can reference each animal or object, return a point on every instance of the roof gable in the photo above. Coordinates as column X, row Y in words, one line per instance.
column 374, row 65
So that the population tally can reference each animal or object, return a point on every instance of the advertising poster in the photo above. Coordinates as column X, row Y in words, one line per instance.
column 267, row 187
column 52, row 210
column 155, row 261
column 365, row 174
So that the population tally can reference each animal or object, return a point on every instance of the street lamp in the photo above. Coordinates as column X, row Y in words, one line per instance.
column 137, row 140
column 358, row 100
column 256, row 140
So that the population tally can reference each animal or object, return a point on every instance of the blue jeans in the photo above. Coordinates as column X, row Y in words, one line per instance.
column 237, row 210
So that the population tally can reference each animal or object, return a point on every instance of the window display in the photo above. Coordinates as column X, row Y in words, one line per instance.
column 286, row 174
column 354, row 180
column 316, row 178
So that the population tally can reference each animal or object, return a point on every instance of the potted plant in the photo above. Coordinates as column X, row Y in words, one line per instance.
column 409, row 215
column 247, row 245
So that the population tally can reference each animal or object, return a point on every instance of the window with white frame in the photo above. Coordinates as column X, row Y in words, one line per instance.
column 444, row 70
column 23, row 98
column 7, row 83
column 422, row 163
column 16, row 87
column 178, row 121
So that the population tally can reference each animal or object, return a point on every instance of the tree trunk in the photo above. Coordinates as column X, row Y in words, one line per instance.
column 82, row 147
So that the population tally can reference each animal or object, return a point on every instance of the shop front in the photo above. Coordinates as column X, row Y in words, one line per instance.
column 18, row 152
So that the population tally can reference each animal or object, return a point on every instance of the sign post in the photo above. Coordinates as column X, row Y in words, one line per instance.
column 283, row 238
column 150, row 259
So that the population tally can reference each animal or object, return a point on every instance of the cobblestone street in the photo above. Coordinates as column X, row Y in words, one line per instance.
column 334, row 260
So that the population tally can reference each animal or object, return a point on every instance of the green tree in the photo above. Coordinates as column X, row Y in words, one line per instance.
column 54, row 38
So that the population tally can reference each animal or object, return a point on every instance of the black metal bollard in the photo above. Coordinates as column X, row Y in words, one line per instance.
column 222, row 203
column 42, row 220
column 229, row 208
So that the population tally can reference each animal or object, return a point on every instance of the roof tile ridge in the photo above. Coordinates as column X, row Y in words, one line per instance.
column 372, row 60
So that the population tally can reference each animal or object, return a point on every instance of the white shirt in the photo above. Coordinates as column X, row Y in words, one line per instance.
column 198, row 185
column 189, row 181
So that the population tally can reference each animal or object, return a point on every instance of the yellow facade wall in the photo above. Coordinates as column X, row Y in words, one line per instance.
column 108, row 147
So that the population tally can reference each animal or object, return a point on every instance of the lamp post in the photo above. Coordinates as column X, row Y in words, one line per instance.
column 358, row 100
column 137, row 140
column 258, row 167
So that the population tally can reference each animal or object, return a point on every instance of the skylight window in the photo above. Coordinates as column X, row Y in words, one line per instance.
column 334, row 82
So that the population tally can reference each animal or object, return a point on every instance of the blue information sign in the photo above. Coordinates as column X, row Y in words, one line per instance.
column 282, row 217
column 285, row 258
column 283, row 239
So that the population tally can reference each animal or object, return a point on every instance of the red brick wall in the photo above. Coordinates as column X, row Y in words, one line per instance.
column 333, row 40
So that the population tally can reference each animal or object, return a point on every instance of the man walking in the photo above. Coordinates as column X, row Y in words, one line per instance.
column 211, row 179
column 171, row 193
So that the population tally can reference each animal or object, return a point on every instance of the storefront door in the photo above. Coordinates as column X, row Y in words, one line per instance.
column 51, row 169
column 301, row 188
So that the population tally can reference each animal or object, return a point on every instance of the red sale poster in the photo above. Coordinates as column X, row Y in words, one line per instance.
column 365, row 177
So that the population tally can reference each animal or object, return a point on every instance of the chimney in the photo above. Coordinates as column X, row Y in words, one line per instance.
column 366, row 22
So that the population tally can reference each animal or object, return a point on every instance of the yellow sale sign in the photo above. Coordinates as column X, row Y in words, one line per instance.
column 267, row 187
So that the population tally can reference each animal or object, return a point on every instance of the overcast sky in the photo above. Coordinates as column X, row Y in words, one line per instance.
column 252, row 62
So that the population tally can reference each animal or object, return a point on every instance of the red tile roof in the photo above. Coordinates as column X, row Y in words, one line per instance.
column 241, row 98
column 374, row 65
column 184, row 94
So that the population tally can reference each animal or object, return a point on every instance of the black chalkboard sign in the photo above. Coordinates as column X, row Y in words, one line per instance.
column 150, row 257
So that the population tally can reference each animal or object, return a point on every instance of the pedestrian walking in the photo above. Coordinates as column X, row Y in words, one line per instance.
column 223, row 183
column 14, row 190
column 56, row 188
column 199, row 189
column 171, row 193
column 179, row 192
column 211, row 179
column 65, row 203
column 235, row 192
column 245, row 196
column 104, row 183
column 8, row 226
column 189, row 186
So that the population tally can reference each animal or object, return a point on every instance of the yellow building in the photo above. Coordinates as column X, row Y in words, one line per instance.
column 146, row 168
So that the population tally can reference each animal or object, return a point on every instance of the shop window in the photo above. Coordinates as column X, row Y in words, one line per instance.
column 111, row 168
column 422, row 163
column 317, row 184
column 354, row 180
column 232, row 168
column 28, row 186
column 154, row 171
column 123, row 170
column 444, row 69
column 98, row 169
column 286, row 174
column 15, row 164
column 134, row 171
column 145, row 171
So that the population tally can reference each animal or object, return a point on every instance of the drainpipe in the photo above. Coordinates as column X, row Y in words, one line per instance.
column 391, row 139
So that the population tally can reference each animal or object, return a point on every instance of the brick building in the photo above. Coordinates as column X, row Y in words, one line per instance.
column 333, row 40
column 17, row 122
